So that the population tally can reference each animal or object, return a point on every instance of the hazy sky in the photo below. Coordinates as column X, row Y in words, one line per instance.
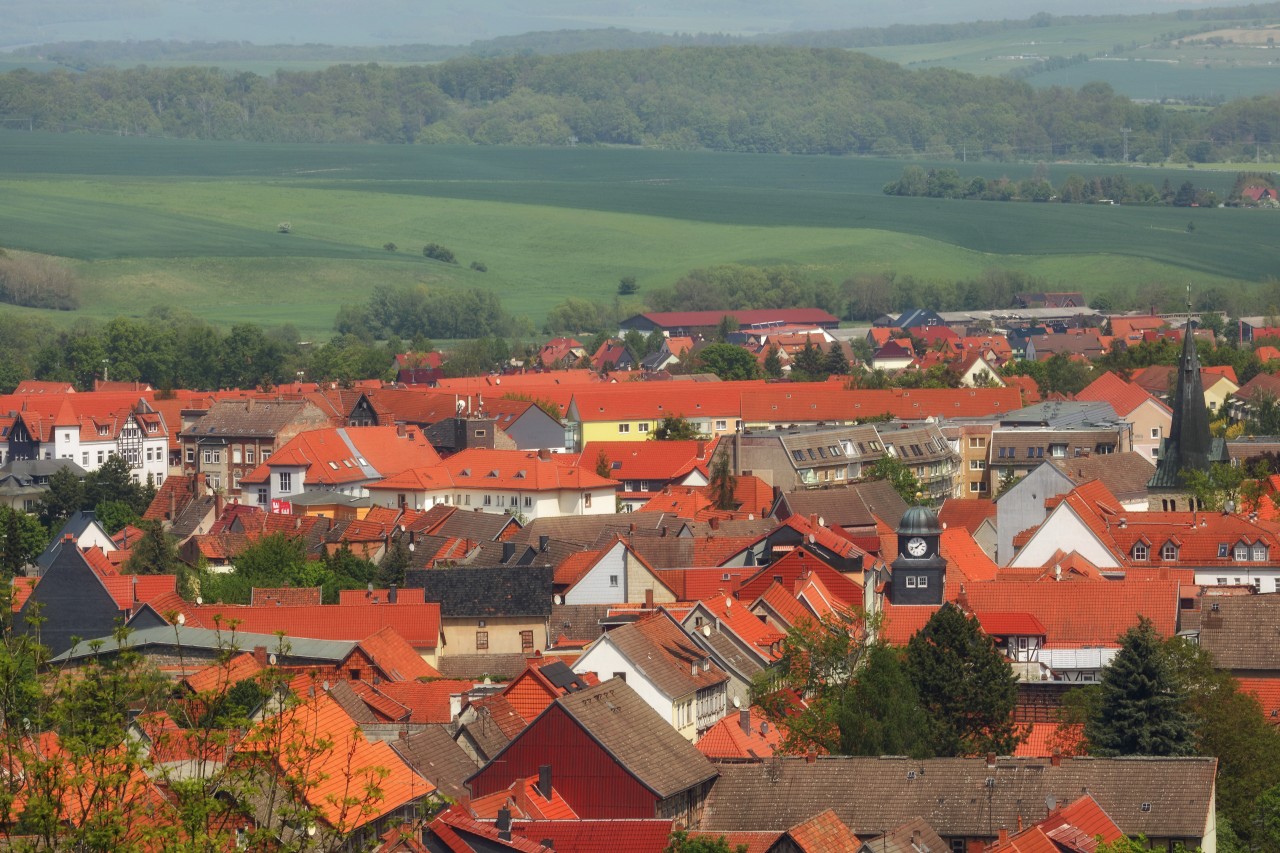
column 462, row 21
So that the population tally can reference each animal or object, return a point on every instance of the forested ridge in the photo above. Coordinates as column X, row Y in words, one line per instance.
column 746, row 98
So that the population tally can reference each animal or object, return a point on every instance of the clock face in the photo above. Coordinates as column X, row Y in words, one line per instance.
column 916, row 546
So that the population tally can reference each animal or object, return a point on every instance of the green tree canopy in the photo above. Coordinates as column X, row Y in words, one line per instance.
column 1141, row 708
column 729, row 362
column 676, row 428
column 965, row 685
column 900, row 476
column 22, row 538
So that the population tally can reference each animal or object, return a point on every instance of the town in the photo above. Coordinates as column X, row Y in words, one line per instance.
column 960, row 582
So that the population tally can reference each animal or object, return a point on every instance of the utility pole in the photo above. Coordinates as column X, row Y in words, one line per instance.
column 1124, row 132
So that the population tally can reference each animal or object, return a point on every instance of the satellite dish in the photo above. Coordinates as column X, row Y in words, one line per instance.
column 410, row 546
column 822, row 522
column 737, row 703
column 728, row 602
column 311, row 829
column 272, row 659
column 557, row 599
column 706, row 630
column 812, row 539
column 182, row 618
column 199, row 600
column 1051, row 802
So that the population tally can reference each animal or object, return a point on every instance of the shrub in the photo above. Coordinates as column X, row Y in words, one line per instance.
column 438, row 253
column 479, row 266
column 284, row 228
column 390, row 247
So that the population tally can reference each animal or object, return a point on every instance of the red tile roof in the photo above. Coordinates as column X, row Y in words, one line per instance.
column 790, row 568
column 220, row 676
column 526, row 802
column 734, row 616
column 427, row 701
column 330, row 459
column 394, row 656
column 787, row 607
column 1267, row 692
column 1086, row 613
column 726, row 739
column 998, row 624
column 518, row 470
column 1123, row 396
column 597, row 836
column 823, row 832
column 419, row 624
column 967, row 513
column 1042, row 739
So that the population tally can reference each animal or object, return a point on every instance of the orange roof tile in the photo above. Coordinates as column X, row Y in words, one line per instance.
column 518, row 470
column 823, row 832
column 427, row 701
column 726, row 739
column 395, row 657
column 418, row 624
column 335, row 456
column 1123, row 396
column 220, row 676
column 787, row 607
column 966, row 513
column 1267, row 692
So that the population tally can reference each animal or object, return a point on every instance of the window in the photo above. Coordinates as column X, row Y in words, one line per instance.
column 977, row 464
column 1222, row 581
column 487, row 500
column 286, row 481
column 1140, row 551
column 467, row 502
column 613, row 581
column 248, row 455
column 977, row 487
column 1259, row 552
column 1155, row 432
column 402, row 500
column 266, row 454
column 643, row 426
column 526, row 641
column 1002, row 450
column 977, row 442
column 479, row 433
column 235, row 456
column 212, row 457
column 911, row 581
column 102, row 457
column 1241, row 552
column 528, row 500
column 923, row 581
column 721, row 426
column 1022, row 644
column 84, row 459
column 624, row 427
column 1169, row 551
column 482, row 640
column 586, row 499
column 191, row 455
column 262, row 497
column 1222, row 553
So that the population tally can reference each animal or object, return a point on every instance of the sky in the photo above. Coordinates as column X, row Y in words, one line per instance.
column 360, row 22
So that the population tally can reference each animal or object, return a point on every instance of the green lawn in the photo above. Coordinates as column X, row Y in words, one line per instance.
column 195, row 224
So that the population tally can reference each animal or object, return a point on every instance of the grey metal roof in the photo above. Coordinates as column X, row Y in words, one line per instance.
column 210, row 639
column 320, row 497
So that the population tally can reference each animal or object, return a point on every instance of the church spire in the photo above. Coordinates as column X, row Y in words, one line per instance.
column 1189, row 446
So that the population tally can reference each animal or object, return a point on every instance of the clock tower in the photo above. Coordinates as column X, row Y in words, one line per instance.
column 919, row 572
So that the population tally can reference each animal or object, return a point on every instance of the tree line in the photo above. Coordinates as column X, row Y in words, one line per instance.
column 1074, row 189
column 739, row 98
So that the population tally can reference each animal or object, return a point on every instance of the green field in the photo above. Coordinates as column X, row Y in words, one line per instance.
column 193, row 224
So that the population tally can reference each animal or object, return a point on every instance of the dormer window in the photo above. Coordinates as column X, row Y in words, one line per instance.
column 1140, row 551
column 1241, row 552
column 1169, row 552
column 1259, row 552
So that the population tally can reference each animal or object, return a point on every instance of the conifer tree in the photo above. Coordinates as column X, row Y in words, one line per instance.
column 965, row 685
column 722, row 482
column 773, row 363
column 836, row 363
column 1141, row 710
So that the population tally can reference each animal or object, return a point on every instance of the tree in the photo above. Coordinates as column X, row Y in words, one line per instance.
column 836, row 362
column 773, row 363
column 627, row 286
column 881, row 713
column 436, row 252
column 965, row 685
column 603, row 465
column 1140, row 709
column 114, row 516
column 63, row 499
column 682, row 842
column 729, row 362
column 22, row 538
column 902, row 479
column 722, row 482
column 807, row 366
column 1223, row 482
column 112, row 481
column 727, row 326
column 676, row 428
column 395, row 562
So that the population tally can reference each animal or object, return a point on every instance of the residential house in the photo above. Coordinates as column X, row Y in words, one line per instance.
column 745, row 736
column 613, row 355
column 490, row 611
column 666, row 668
column 853, row 508
column 647, row 467
column 88, row 429
column 1158, row 380
column 1085, row 346
column 561, row 352
column 82, row 531
column 739, row 642
column 23, row 482
column 1061, row 299
column 346, row 460
column 893, row 356
column 610, row 756
column 1053, row 430
column 1149, row 417
column 234, row 437
column 615, row 574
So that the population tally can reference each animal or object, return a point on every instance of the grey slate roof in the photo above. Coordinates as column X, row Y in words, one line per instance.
column 578, row 621
column 498, row 591
column 173, row 636
column 1124, row 474
column 642, row 742
column 437, row 757
column 251, row 418
column 474, row 666
column 904, row 839
column 75, row 526
column 953, row 795
column 355, row 707
column 661, row 650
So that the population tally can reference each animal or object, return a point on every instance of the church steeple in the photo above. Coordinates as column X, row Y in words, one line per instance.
column 1189, row 446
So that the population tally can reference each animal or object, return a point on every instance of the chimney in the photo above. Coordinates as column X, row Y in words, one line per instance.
column 744, row 720
column 400, row 430
column 69, row 537
column 544, row 453
column 219, row 504
column 648, row 599
column 991, row 760
column 1055, row 757
column 504, row 824
column 1004, row 836
column 391, row 594
column 260, row 655
column 543, row 542
column 134, row 585
column 702, row 449
column 173, row 507
column 248, row 405
column 544, row 781
column 715, row 523
column 813, row 520
column 1019, row 823
column 811, row 755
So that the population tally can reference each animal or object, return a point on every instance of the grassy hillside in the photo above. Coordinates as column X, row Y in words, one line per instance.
column 153, row 222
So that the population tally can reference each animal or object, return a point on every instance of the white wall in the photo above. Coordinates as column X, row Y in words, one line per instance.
column 604, row 659
column 1063, row 531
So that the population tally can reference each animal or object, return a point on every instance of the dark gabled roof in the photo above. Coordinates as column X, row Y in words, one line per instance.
column 586, row 530
column 1124, row 474
column 505, row 665
column 437, row 757
column 664, row 653
column 645, row 744
column 1240, row 631
column 75, row 526
column 498, row 591
column 348, row 701
column 855, row 505
column 251, row 417
column 945, row 792
column 577, row 621
column 477, row 526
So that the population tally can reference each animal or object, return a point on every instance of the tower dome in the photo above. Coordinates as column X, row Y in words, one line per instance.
column 919, row 521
